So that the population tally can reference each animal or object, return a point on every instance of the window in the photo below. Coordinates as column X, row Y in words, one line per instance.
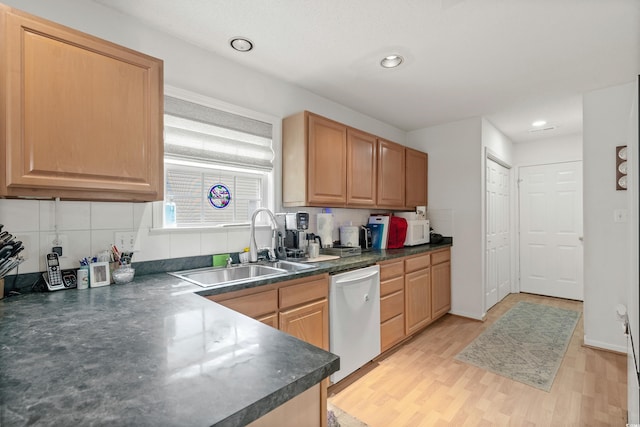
column 191, row 188
column 218, row 165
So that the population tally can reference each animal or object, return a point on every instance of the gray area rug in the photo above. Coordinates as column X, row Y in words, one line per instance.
column 336, row 417
column 526, row 344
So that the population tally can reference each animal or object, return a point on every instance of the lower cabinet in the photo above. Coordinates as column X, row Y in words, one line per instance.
column 391, row 303
column 306, row 322
column 414, row 292
column 299, row 411
column 440, row 283
column 269, row 320
column 262, row 306
column 300, row 308
column 417, row 285
column 418, row 300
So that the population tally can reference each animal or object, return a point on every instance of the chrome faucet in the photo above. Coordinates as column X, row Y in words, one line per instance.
column 253, row 247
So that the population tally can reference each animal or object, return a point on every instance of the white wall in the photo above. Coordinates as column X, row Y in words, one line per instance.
column 606, row 116
column 496, row 142
column 565, row 148
column 455, row 163
column 90, row 227
column 633, row 295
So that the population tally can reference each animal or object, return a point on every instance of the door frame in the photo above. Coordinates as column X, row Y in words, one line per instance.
column 489, row 154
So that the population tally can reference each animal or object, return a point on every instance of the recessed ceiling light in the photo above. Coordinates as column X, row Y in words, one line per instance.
column 538, row 123
column 241, row 44
column 391, row 61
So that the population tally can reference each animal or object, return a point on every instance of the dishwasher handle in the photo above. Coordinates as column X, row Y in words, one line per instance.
column 356, row 279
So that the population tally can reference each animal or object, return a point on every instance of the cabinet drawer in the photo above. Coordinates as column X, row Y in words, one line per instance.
column 390, row 270
column 255, row 305
column 417, row 263
column 392, row 285
column 391, row 306
column 440, row 256
column 304, row 292
column 391, row 332
column 270, row 320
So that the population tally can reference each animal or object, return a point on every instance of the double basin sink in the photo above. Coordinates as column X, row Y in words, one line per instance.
column 209, row 277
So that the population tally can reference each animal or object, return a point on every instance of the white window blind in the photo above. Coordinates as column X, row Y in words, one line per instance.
column 204, row 134
column 206, row 147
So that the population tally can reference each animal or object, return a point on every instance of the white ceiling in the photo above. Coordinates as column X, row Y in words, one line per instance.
column 512, row 61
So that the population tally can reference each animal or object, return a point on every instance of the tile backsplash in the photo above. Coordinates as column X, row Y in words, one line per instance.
column 87, row 228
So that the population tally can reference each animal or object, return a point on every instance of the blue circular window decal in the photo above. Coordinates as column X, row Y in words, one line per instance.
column 219, row 196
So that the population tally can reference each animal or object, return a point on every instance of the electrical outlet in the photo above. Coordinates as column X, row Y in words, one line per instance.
column 620, row 215
column 125, row 241
column 61, row 240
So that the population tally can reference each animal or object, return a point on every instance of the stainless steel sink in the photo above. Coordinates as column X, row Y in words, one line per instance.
column 218, row 276
column 221, row 276
column 291, row 266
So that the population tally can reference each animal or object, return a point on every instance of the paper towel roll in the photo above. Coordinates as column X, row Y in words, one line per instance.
column 325, row 229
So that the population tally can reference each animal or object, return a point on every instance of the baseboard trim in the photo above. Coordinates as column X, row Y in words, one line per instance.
column 599, row 345
column 467, row 315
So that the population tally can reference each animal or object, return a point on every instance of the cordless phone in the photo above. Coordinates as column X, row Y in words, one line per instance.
column 53, row 275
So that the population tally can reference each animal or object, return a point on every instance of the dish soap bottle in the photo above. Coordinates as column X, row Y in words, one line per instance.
column 170, row 213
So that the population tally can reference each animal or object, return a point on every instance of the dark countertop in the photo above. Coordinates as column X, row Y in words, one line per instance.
column 334, row 266
column 152, row 352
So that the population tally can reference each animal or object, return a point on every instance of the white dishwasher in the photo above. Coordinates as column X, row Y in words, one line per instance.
column 354, row 318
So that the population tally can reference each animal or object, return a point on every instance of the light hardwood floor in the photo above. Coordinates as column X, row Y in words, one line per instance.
column 422, row 385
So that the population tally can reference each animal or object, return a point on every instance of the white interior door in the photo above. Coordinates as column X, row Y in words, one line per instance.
column 498, row 237
column 551, row 252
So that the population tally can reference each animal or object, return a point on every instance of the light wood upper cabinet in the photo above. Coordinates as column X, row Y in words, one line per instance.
column 81, row 117
column 326, row 163
column 416, row 178
column 361, row 168
column 391, row 177
column 314, row 161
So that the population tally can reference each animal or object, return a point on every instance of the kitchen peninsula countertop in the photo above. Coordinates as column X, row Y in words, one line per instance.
column 153, row 352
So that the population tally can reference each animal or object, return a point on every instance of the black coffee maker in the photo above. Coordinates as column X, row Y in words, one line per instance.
column 295, row 239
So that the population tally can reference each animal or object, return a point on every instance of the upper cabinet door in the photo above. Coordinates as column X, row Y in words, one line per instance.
column 416, row 174
column 391, row 175
column 83, row 117
column 361, row 168
column 327, row 179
